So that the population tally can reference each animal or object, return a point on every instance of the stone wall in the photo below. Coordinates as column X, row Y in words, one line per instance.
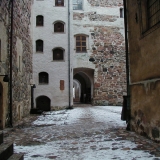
column 22, row 59
column 4, row 50
column 110, row 76
column 105, row 3
column 21, row 56
column 101, row 21
column 144, row 53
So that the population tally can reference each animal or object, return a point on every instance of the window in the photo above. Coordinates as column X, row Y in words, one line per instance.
column 59, row 2
column 39, row 46
column 43, row 78
column 149, row 15
column 58, row 54
column 58, row 27
column 77, row 4
column 39, row 21
column 81, row 43
column 121, row 13
column 153, row 8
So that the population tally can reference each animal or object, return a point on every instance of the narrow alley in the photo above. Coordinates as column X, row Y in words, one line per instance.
column 83, row 133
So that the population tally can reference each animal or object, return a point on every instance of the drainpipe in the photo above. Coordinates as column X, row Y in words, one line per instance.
column 69, row 63
column 127, row 66
column 11, row 50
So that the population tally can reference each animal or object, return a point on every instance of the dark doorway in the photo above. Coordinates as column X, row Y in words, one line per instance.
column 1, row 106
column 43, row 103
column 85, row 82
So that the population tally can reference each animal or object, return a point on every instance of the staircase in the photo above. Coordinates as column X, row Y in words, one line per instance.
column 6, row 151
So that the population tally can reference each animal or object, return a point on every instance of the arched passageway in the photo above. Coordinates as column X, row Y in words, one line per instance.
column 83, row 85
column 1, row 106
column 43, row 103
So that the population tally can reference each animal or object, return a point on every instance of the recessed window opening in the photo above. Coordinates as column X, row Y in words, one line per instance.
column 58, row 54
column 81, row 43
column 153, row 7
column 39, row 21
column 59, row 27
column 59, row 2
column 43, row 78
column 39, row 46
column 77, row 4
column 121, row 13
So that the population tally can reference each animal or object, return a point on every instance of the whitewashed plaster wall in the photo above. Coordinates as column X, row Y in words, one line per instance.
column 43, row 62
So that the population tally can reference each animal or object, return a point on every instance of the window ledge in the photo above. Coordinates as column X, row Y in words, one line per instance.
column 152, row 29
column 58, row 61
column 39, row 52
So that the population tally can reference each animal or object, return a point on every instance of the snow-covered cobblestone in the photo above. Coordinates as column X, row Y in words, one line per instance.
column 84, row 133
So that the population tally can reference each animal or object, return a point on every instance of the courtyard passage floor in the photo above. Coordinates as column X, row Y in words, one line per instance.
column 83, row 133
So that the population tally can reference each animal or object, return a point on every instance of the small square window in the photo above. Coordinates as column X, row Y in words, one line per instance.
column 59, row 2
column 58, row 54
column 58, row 27
column 77, row 4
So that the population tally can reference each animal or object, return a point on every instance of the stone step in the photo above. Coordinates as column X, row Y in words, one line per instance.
column 6, row 150
column 16, row 156
column 1, row 138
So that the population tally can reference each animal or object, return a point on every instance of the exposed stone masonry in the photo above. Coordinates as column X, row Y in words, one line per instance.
column 105, row 3
column 108, row 50
column 21, row 79
column 21, row 32
column 93, row 16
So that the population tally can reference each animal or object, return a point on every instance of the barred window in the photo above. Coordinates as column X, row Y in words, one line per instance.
column 81, row 43
column 77, row 4
column 153, row 8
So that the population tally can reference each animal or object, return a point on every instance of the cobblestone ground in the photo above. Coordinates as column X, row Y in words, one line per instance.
column 84, row 133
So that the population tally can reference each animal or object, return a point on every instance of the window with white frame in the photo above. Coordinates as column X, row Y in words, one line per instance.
column 77, row 5
column 81, row 43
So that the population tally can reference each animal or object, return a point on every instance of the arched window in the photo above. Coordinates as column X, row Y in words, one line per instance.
column 58, row 54
column 59, row 2
column 81, row 43
column 39, row 20
column 43, row 78
column 59, row 27
column 39, row 46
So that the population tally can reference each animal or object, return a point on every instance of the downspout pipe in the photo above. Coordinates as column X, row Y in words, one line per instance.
column 11, row 51
column 127, row 65
column 69, row 62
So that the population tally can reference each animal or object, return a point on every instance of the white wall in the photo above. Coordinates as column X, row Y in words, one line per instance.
column 43, row 62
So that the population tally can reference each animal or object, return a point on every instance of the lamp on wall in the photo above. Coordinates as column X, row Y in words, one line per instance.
column 6, row 78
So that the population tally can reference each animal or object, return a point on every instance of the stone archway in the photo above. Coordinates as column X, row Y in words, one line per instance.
column 43, row 103
column 1, row 106
column 85, row 77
